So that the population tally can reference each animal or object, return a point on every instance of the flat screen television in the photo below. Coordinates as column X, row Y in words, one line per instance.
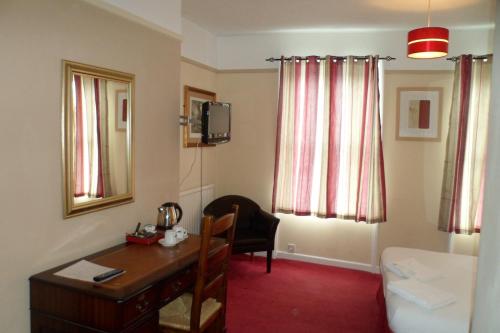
column 215, row 123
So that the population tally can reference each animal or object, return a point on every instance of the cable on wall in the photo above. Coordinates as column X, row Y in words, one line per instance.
column 198, row 145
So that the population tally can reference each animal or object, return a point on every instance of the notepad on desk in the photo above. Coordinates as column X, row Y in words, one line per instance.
column 84, row 270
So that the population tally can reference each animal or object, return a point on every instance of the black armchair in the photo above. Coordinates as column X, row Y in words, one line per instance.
column 255, row 228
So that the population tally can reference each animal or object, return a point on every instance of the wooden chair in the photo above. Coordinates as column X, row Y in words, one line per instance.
column 205, row 309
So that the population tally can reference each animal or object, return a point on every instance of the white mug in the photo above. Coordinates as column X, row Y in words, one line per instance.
column 170, row 237
column 180, row 233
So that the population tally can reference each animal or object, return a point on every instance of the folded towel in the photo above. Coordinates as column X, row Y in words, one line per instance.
column 421, row 294
column 410, row 267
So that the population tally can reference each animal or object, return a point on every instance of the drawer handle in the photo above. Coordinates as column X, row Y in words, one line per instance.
column 139, row 307
column 142, row 307
column 177, row 285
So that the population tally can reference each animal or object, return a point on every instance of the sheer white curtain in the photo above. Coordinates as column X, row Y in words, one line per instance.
column 463, row 179
column 329, row 160
column 91, row 113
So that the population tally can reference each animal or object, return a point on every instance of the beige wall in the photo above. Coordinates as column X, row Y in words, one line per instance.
column 414, row 170
column 414, row 173
column 487, row 300
column 35, row 37
column 245, row 165
column 465, row 244
column 330, row 239
column 191, row 159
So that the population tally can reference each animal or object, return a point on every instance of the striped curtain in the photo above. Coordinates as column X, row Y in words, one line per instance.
column 91, row 124
column 464, row 169
column 329, row 161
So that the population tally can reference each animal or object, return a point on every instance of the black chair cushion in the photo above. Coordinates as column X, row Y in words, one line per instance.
column 246, row 237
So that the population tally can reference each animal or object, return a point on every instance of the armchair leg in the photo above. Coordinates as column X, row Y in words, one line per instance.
column 269, row 258
column 251, row 256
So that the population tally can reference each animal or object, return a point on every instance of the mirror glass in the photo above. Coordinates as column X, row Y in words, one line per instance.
column 97, row 141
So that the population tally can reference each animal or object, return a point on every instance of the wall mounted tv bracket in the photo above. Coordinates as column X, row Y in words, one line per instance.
column 185, row 120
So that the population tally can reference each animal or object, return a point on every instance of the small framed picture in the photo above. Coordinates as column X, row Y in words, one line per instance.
column 193, row 100
column 419, row 114
column 121, row 113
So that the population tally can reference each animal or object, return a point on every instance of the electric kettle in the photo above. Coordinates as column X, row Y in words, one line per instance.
column 169, row 214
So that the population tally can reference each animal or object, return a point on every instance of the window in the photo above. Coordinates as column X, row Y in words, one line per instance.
column 329, row 160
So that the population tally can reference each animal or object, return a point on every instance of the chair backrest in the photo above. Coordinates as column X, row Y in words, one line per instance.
column 211, row 279
column 247, row 209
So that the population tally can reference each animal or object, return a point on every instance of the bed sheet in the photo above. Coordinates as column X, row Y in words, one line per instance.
column 459, row 273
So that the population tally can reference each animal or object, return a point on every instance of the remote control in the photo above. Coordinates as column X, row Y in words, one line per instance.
column 108, row 275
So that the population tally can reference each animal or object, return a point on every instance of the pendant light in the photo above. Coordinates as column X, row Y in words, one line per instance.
column 428, row 42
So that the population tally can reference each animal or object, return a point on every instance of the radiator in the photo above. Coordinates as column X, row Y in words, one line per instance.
column 191, row 202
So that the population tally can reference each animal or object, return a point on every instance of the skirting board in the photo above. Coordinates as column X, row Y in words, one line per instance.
column 328, row 261
column 323, row 261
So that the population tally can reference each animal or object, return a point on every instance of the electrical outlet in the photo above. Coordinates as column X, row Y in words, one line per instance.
column 291, row 248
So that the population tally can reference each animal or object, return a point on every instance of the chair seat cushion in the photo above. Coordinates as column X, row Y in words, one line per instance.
column 247, row 236
column 177, row 314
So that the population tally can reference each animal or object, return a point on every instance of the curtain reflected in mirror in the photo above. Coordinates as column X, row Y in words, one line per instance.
column 98, row 138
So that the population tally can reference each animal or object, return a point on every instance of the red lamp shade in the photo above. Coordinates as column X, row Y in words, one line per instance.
column 429, row 42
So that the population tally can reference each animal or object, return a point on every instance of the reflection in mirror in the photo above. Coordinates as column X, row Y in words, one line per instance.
column 97, row 146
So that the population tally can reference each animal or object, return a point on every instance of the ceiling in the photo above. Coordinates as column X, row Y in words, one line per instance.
column 232, row 17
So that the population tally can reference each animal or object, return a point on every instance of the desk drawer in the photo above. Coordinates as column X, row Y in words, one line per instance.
column 148, row 324
column 139, row 305
column 177, row 285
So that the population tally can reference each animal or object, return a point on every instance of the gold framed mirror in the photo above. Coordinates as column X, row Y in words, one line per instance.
column 98, row 145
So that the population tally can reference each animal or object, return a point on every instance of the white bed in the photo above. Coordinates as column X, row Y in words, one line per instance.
column 459, row 273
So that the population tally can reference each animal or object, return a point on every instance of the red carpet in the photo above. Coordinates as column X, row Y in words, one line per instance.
column 299, row 297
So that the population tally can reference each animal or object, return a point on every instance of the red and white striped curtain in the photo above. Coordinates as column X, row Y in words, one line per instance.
column 329, row 161
column 464, row 169
column 90, row 109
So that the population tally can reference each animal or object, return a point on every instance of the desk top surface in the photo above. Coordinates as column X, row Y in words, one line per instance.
column 144, row 265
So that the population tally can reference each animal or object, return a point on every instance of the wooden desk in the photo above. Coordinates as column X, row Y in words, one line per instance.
column 129, row 303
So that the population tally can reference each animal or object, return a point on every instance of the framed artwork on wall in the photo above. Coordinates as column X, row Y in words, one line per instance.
column 193, row 99
column 419, row 114
column 121, row 110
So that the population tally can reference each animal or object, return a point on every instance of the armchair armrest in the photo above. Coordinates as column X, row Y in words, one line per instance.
column 266, row 223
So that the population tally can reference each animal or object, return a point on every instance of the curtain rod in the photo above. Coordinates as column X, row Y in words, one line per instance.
column 457, row 58
column 387, row 58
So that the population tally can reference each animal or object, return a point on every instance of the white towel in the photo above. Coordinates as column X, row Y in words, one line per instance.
column 421, row 294
column 411, row 268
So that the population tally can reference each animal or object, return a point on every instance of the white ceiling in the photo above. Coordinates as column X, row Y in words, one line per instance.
column 232, row 17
